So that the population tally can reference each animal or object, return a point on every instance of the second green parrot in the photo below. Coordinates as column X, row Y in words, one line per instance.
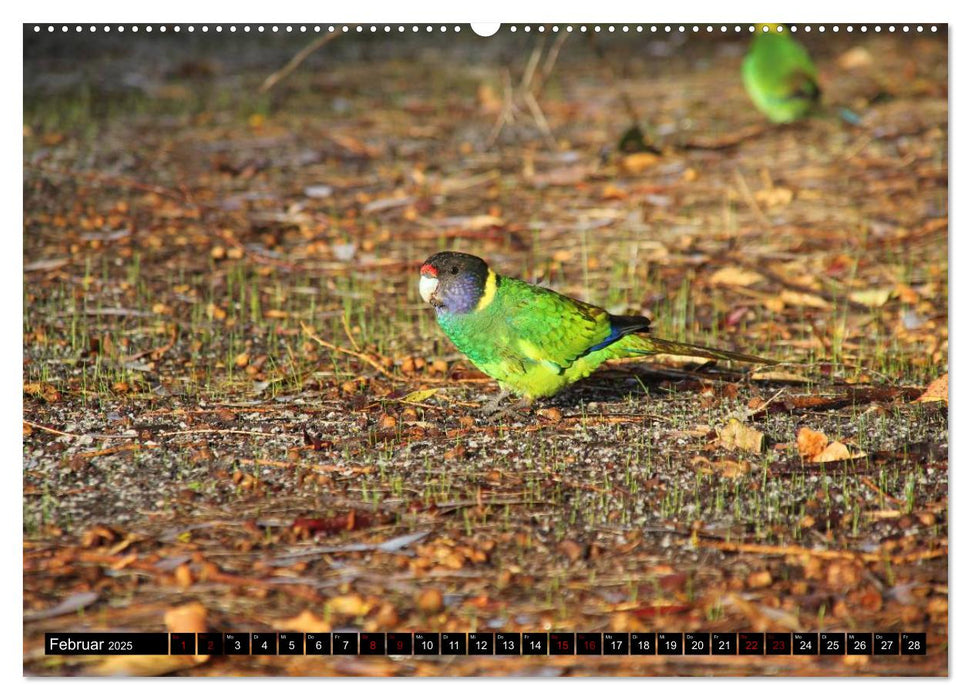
column 530, row 339
column 779, row 75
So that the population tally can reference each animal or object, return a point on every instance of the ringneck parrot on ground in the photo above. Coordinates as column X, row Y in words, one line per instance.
column 530, row 339
column 779, row 75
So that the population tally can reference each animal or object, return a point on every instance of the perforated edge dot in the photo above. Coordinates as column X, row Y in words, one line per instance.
column 512, row 28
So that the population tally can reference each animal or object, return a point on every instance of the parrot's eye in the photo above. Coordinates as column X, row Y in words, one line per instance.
column 454, row 270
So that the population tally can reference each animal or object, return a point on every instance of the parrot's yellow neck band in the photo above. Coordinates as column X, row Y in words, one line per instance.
column 489, row 292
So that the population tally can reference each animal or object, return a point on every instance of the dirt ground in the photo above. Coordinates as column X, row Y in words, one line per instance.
column 239, row 415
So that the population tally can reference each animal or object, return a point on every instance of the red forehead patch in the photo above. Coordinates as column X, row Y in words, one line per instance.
column 429, row 270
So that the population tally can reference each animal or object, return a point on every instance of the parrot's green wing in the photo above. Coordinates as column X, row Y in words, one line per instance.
column 556, row 330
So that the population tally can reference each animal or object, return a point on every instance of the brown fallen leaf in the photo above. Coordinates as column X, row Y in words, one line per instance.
column 857, row 57
column 834, row 452
column 874, row 298
column 779, row 376
column 759, row 579
column 774, row 197
column 810, row 443
column 936, row 391
column 738, row 435
column 571, row 549
column 304, row 622
column 186, row 618
column 351, row 604
column 636, row 163
column 735, row 276
column 430, row 600
column 42, row 390
column 799, row 299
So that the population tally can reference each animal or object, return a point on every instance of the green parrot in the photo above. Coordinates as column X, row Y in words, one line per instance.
column 779, row 75
column 530, row 339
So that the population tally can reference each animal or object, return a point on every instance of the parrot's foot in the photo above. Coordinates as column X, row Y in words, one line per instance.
column 491, row 407
column 511, row 411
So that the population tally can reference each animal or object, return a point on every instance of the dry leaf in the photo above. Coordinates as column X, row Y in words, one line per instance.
column 419, row 396
column 551, row 413
column 351, row 604
column 735, row 276
column 857, row 57
column 810, row 443
column 834, row 452
column 611, row 191
column 759, row 579
column 779, row 376
column 304, row 622
column 42, row 390
column 731, row 469
column 936, row 391
column 636, row 163
column 737, row 434
column 774, row 197
column 873, row 298
column 489, row 101
column 215, row 313
column 187, row 618
column 792, row 298
column 430, row 600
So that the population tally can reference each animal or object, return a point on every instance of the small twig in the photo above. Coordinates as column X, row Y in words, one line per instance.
column 721, row 143
column 867, row 482
column 347, row 331
column 113, row 450
column 156, row 353
column 299, row 58
column 506, row 113
column 218, row 431
column 539, row 118
column 360, row 355
column 314, row 467
column 794, row 550
column 765, row 404
column 750, row 200
column 50, row 430
column 551, row 57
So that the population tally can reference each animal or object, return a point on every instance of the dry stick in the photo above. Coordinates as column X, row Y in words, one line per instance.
column 526, row 89
column 299, row 58
column 506, row 113
column 156, row 353
column 313, row 336
column 750, row 200
column 784, row 550
column 527, row 93
column 721, row 143
column 314, row 467
column 551, row 57
column 869, row 483
column 347, row 331
column 219, row 431
column 113, row 450
column 50, row 430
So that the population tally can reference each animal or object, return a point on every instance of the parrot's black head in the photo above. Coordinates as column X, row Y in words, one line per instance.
column 454, row 282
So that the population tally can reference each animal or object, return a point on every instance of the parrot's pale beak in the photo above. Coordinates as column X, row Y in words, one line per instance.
column 427, row 287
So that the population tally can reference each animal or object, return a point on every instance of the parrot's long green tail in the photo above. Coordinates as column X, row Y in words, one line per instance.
column 649, row 345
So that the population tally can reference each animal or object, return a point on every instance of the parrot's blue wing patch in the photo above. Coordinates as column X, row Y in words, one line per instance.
column 619, row 327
